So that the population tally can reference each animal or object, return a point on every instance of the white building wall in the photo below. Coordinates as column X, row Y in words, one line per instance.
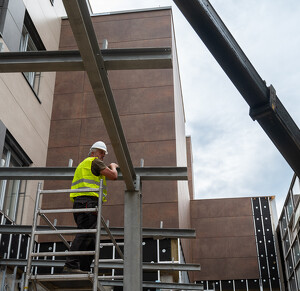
column 23, row 115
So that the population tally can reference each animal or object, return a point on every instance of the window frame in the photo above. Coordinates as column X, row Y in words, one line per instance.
column 31, row 41
column 14, row 152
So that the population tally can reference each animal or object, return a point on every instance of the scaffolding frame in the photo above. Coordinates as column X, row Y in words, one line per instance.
column 97, row 231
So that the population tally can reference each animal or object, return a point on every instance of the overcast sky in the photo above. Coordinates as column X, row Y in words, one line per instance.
column 233, row 157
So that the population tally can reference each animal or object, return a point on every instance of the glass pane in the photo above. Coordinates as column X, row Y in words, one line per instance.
column 298, row 275
column 289, row 207
column 240, row 285
column 296, row 251
column 292, row 283
column 214, row 285
column 227, row 285
column 11, row 198
column 253, row 285
column 283, row 225
column 286, row 243
column 289, row 264
column 10, row 188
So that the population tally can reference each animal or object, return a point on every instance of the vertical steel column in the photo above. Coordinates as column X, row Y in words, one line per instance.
column 133, row 239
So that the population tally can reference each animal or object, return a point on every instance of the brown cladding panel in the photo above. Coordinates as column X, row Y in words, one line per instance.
column 137, row 128
column 148, row 127
column 66, row 37
column 144, row 100
column 140, row 78
column 92, row 129
column 115, row 215
column 127, row 15
column 227, row 269
column 155, row 154
column 146, row 43
column 224, row 226
column 69, row 82
column 59, row 157
column 67, row 106
column 221, row 207
column 224, row 247
column 159, row 191
column 125, row 30
column 123, row 27
column 90, row 108
column 189, row 153
column 64, row 133
column 153, row 192
column 154, row 213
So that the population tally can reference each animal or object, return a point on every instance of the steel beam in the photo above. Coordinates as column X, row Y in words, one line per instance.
column 53, row 282
column 157, row 233
column 103, row 265
column 55, row 279
column 67, row 173
column 265, row 106
column 157, row 285
column 114, row 59
column 133, row 275
column 81, row 24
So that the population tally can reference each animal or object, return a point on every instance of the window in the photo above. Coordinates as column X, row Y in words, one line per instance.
column 289, row 207
column 31, row 41
column 11, row 190
column 296, row 251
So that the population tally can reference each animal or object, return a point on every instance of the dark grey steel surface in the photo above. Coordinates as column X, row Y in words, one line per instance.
column 265, row 107
column 133, row 254
column 67, row 173
column 103, row 265
column 82, row 27
column 114, row 59
column 74, row 282
column 116, row 231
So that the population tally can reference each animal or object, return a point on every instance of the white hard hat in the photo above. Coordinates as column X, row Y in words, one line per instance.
column 99, row 145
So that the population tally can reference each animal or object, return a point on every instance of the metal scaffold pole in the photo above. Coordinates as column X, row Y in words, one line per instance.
column 31, row 244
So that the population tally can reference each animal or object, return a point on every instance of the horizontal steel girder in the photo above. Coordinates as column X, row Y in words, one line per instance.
column 265, row 106
column 114, row 59
column 84, row 34
column 56, row 279
column 67, row 173
column 156, row 233
column 103, row 265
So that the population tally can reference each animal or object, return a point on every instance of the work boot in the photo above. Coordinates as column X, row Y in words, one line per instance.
column 67, row 270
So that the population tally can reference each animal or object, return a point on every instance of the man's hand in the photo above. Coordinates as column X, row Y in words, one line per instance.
column 111, row 171
column 113, row 166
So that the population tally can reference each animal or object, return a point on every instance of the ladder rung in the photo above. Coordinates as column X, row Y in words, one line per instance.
column 43, row 211
column 61, row 277
column 66, row 231
column 63, row 254
column 70, row 190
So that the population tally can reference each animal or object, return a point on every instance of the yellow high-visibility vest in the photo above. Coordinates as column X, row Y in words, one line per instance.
column 84, row 178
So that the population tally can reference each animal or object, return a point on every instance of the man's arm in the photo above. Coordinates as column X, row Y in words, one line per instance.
column 110, row 172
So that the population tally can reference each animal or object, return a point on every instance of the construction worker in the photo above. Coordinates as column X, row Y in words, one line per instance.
column 88, row 175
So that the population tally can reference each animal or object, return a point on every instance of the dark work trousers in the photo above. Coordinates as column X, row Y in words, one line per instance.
column 83, row 241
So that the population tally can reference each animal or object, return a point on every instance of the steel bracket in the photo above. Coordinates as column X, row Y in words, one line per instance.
column 258, row 112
